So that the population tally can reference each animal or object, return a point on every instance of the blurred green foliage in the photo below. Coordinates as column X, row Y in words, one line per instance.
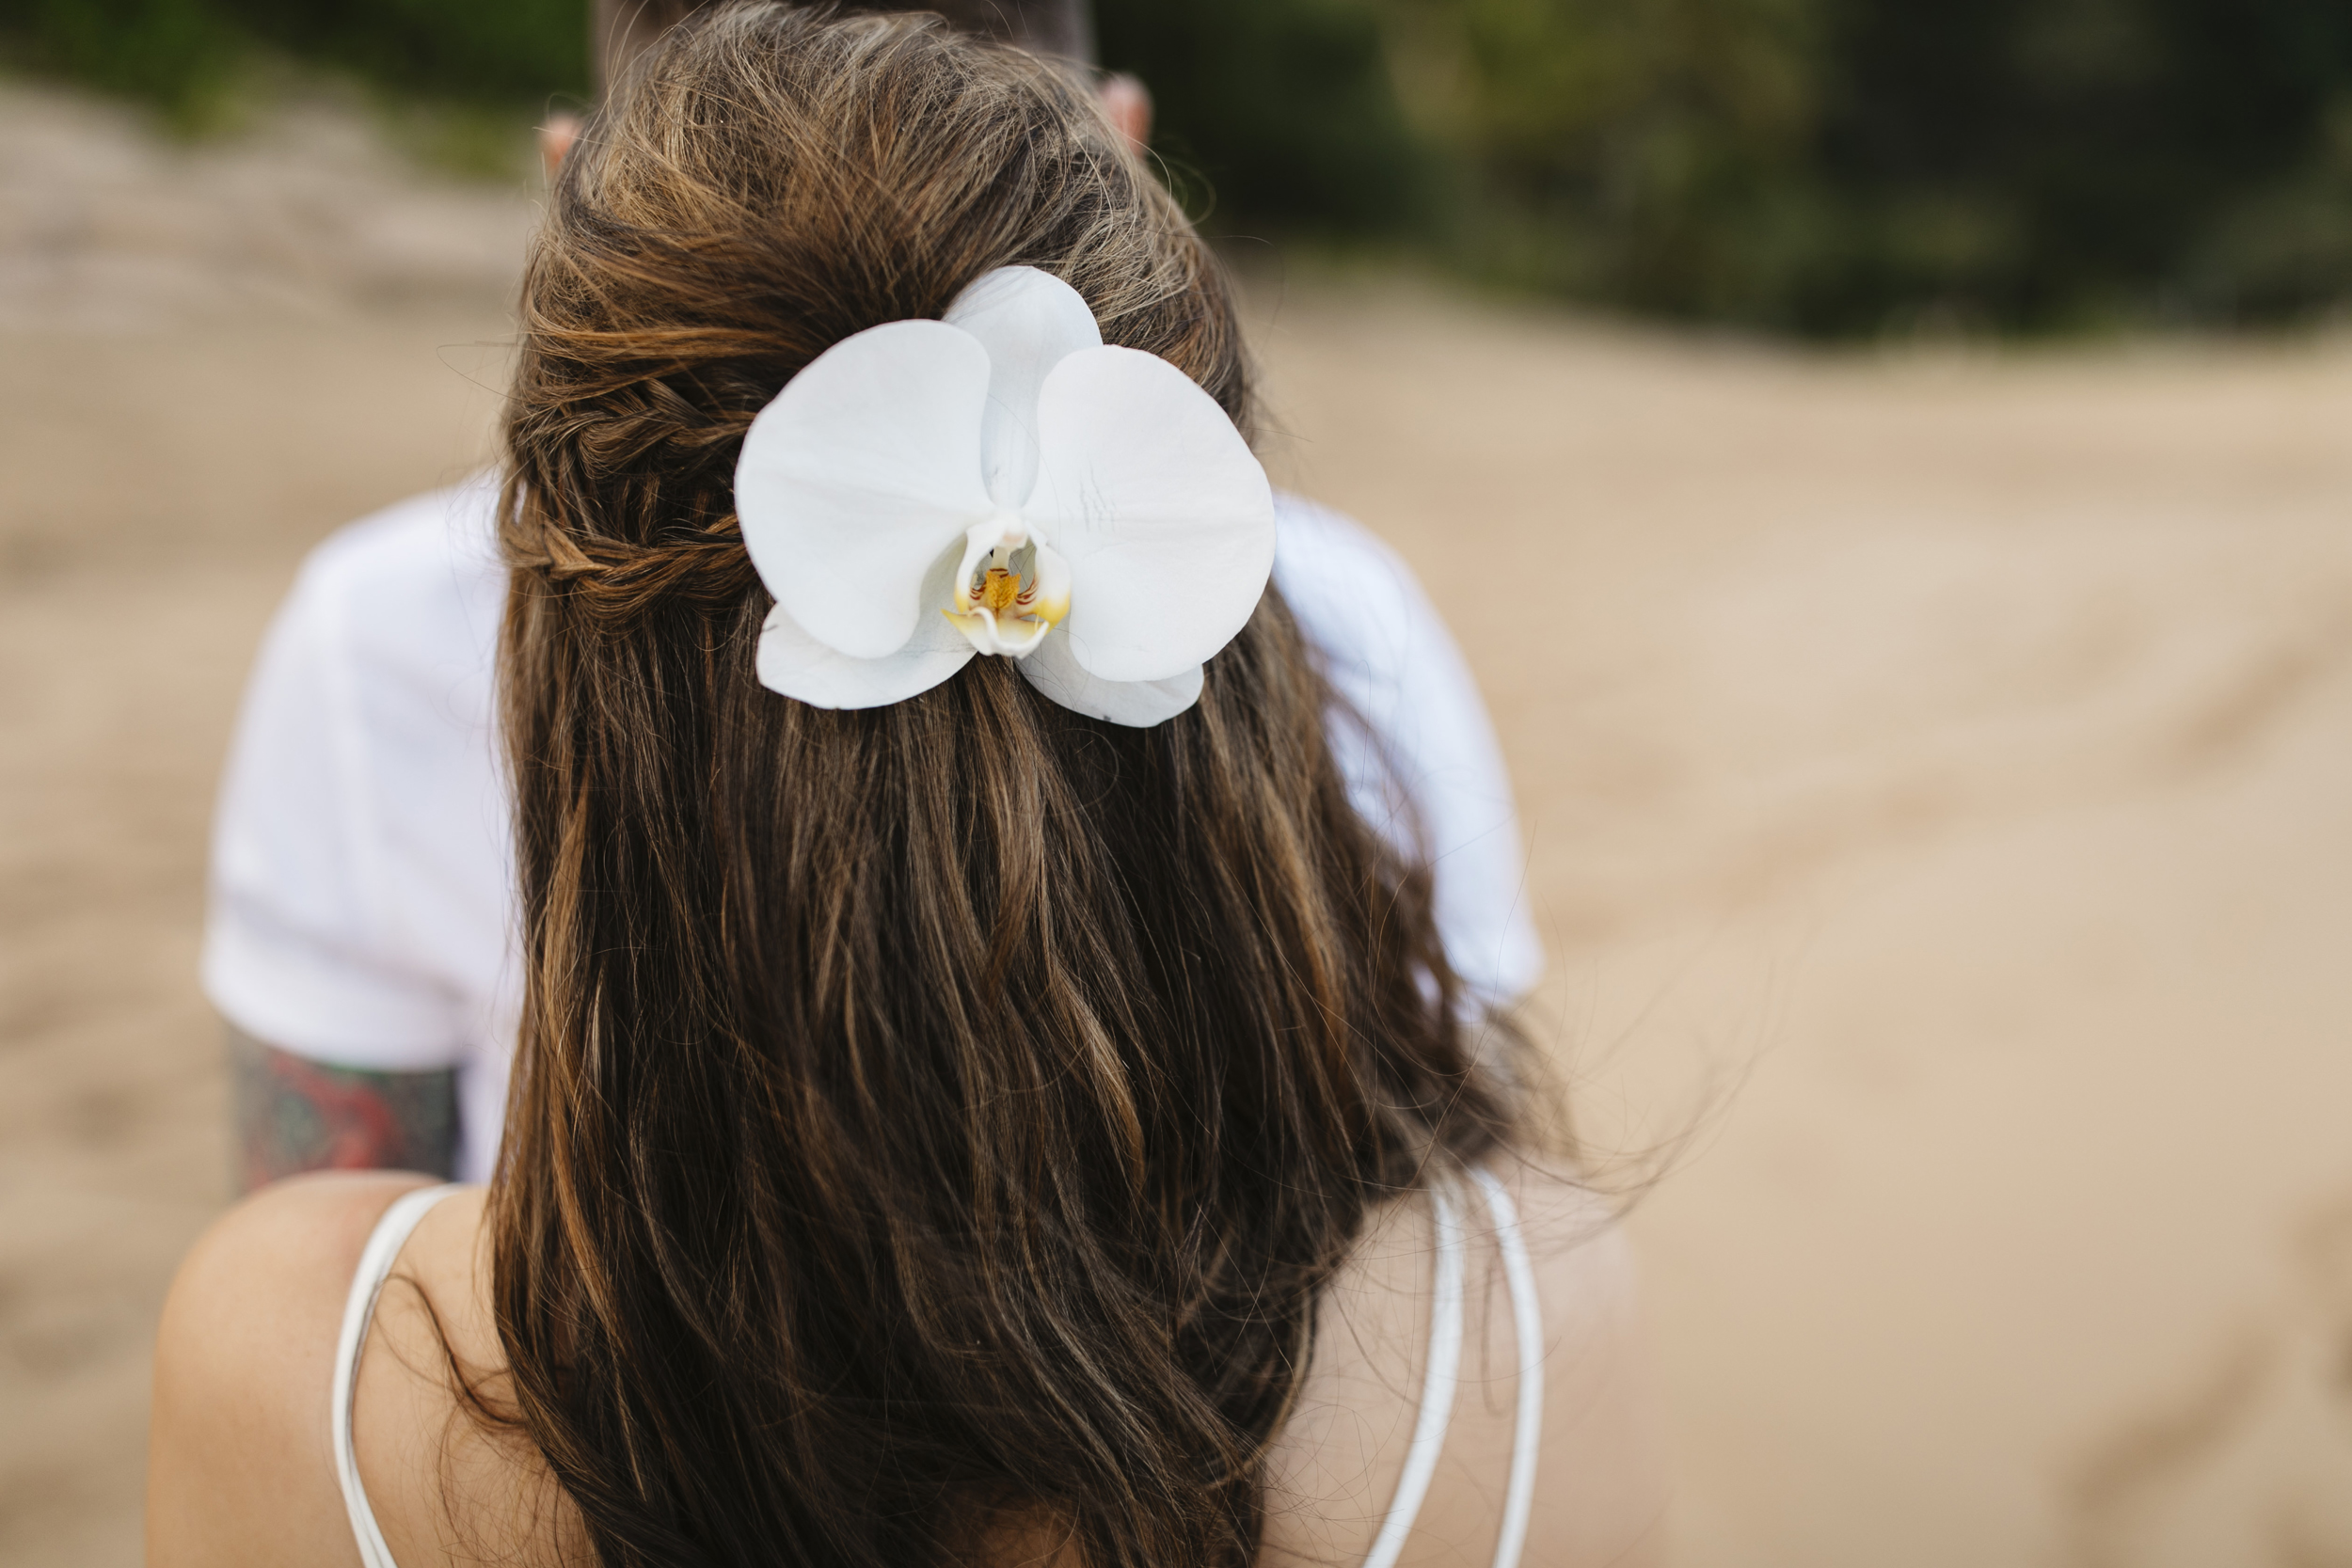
column 2059, row 163
column 1822, row 166
column 482, row 50
column 177, row 55
column 1843, row 166
column 186, row 56
column 1274, row 114
column 1648, row 152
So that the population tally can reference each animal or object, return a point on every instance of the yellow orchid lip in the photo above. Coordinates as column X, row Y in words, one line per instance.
column 1012, row 588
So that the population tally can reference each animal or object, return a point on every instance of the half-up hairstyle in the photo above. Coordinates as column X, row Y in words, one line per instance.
column 931, row 1125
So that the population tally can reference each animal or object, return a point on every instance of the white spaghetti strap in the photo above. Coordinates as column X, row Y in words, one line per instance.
column 1437, row 1390
column 382, row 1249
column 1527, row 1316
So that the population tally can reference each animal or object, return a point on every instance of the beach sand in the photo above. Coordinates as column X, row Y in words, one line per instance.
column 1936, row 769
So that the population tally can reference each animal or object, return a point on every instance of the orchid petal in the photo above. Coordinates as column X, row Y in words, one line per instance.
column 860, row 473
column 793, row 662
column 1029, row 321
column 1138, row 704
column 1159, row 506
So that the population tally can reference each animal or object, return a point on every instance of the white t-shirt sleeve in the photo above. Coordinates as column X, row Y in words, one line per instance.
column 1422, row 764
column 365, row 717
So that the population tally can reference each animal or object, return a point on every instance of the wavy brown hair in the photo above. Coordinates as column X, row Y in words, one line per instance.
column 933, row 1124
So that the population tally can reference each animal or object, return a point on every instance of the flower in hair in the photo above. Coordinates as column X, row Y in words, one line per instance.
column 999, row 481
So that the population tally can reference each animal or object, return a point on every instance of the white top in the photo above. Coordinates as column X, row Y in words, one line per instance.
column 362, row 888
column 1420, row 1458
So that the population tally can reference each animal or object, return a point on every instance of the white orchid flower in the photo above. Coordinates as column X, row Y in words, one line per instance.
column 999, row 481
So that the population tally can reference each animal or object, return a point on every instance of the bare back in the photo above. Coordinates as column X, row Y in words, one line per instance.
column 242, row 1470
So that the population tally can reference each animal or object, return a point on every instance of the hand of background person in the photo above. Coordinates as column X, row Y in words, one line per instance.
column 1128, row 102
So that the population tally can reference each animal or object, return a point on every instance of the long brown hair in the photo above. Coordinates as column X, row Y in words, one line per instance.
column 931, row 1124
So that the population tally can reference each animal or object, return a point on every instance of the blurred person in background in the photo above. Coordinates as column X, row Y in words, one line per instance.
column 360, row 941
column 993, row 1087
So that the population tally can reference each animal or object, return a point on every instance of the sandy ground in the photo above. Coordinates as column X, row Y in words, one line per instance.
column 1936, row 769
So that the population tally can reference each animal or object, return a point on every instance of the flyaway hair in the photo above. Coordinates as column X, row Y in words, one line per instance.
column 932, row 1123
column 1063, row 28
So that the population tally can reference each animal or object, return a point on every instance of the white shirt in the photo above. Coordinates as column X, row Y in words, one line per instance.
column 362, row 887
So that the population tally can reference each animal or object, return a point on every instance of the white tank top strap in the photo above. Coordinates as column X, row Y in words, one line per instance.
column 1444, row 1375
column 375, row 1264
column 1527, row 1318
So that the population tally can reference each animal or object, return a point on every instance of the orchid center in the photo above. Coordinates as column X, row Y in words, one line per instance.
column 1011, row 588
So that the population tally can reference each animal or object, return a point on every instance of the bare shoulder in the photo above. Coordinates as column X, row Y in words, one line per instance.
column 1601, row 1478
column 1584, row 1266
column 241, row 1461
